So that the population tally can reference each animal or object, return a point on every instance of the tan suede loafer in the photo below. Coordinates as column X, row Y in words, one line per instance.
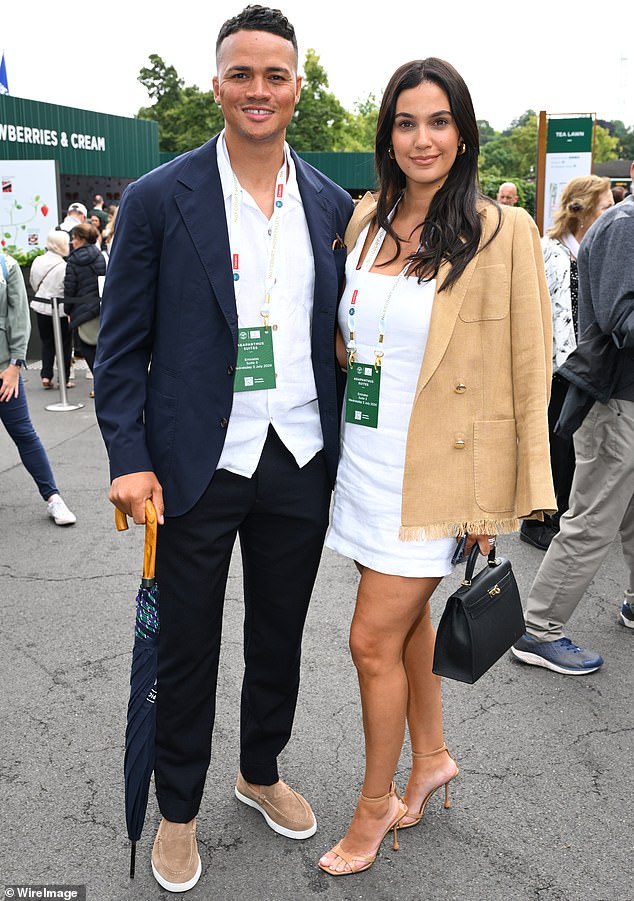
column 175, row 859
column 283, row 809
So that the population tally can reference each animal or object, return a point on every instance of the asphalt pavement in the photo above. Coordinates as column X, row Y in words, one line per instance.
column 542, row 811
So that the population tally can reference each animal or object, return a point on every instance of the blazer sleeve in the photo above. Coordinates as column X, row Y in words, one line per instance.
column 18, row 316
column 531, row 315
column 125, row 340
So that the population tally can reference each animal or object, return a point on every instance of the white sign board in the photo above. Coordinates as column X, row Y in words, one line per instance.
column 28, row 202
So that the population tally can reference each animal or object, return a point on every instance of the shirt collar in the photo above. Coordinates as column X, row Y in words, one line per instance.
column 226, row 172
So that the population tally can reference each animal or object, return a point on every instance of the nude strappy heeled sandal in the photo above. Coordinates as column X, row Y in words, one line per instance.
column 368, row 859
column 417, row 817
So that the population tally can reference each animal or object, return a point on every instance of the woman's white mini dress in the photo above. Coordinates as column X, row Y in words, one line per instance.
column 366, row 511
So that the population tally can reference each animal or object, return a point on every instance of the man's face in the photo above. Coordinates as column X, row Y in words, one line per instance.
column 507, row 196
column 257, row 85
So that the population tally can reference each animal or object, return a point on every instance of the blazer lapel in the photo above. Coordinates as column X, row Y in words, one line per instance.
column 202, row 207
column 319, row 218
column 445, row 311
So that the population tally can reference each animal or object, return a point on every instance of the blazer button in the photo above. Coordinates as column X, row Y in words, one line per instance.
column 460, row 388
column 230, row 370
column 460, row 443
column 224, row 423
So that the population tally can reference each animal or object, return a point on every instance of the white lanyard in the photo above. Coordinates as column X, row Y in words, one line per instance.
column 371, row 256
column 235, row 237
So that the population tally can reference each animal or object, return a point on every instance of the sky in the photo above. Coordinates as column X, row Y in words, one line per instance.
column 540, row 56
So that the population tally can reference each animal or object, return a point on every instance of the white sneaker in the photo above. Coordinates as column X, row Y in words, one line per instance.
column 57, row 510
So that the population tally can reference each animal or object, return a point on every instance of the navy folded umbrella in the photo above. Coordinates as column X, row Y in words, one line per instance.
column 140, row 733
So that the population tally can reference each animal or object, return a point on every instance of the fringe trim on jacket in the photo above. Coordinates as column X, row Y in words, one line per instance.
column 455, row 530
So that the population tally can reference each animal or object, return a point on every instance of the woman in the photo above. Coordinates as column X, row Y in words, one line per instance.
column 14, row 411
column 446, row 307
column 581, row 203
column 81, row 289
column 47, row 281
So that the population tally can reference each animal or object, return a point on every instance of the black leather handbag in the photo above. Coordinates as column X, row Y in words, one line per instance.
column 480, row 622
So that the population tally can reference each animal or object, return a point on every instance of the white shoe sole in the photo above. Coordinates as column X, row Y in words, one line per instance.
column 628, row 623
column 178, row 886
column 537, row 660
column 289, row 833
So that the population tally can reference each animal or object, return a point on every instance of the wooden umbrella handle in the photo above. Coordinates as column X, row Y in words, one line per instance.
column 149, row 547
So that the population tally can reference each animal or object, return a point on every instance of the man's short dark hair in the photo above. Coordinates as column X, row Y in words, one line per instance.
column 258, row 18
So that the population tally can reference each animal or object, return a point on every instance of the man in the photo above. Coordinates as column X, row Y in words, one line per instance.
column 507, row 194
column 602, row 494
column 98, row 211
column 76, row 215
column 218, row 396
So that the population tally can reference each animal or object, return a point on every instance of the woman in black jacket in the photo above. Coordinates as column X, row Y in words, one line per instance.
column 84, row 265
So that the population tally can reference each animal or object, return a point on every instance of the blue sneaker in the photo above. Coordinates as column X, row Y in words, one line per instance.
column 627, row 615
column 561, row 656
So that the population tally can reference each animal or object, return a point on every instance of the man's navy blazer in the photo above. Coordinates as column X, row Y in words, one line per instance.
column 167, row 346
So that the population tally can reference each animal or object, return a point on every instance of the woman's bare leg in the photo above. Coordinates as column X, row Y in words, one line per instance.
column 424, row 715
column 387, row 609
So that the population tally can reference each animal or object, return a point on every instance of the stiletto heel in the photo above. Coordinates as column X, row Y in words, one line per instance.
column 368, row 859
column 417, row 817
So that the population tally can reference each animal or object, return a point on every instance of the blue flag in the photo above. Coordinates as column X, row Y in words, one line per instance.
column 4, row 84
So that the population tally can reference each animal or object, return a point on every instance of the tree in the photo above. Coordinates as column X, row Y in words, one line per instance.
column 360, row 126
column 186, row 116
column 605, row 146
column 160, row 80
column 319, row 119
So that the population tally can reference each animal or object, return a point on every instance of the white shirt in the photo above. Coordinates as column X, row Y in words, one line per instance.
column 291, row 407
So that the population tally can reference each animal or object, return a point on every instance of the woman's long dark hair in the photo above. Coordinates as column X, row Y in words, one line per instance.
column 452, row 229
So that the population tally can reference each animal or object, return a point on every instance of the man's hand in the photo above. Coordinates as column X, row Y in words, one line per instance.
column 130, row 492
column 10, row 378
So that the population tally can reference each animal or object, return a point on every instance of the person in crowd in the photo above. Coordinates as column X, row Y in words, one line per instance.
column 507, row 194
column 85, row 264
column 108, row 232
column 233, row 428
column 14, row 410
column 76, row 215
column 99, row 212
column 582, row 201
column 47, row 281
column 446, row 323
column 619, row 193
column 602, row 492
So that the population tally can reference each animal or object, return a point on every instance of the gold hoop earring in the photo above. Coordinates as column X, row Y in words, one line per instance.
column 390, row 152
column 462, row 148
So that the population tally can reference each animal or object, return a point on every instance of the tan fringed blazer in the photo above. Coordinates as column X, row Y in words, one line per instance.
column 477, row 455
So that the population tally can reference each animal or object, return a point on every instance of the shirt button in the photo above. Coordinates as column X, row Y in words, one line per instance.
column 224, row 423
column 460, row 388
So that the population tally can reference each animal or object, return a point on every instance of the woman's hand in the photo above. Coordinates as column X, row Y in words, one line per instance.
column 10, row 387
column 485, row 543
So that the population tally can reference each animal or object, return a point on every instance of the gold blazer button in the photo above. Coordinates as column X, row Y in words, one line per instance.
column 460, row 388
column 460, row 443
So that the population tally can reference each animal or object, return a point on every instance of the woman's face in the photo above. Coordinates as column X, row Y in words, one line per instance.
column 424, row 135
column 76, row 242
column 605, row 201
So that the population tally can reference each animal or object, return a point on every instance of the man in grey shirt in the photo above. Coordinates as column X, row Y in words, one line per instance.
column 602, row 494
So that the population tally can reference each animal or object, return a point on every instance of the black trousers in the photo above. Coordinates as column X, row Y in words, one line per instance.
column 281, row 516
column 562, row 450
column 47, row 339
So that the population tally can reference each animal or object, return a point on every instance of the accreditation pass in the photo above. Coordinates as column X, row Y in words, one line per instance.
column 255, row 367
column 362, row 394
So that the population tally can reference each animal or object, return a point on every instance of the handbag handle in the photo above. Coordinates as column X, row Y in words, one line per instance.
column 471, row 562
